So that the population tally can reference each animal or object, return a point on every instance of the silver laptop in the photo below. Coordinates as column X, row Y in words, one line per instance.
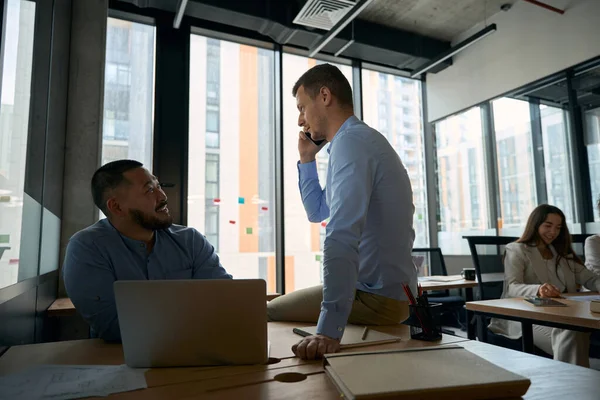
column 179, row 323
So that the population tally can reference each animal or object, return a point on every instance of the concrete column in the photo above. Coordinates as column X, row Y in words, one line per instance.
column 84, row 116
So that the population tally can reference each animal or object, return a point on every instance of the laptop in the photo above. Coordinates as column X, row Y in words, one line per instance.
column 181, row 323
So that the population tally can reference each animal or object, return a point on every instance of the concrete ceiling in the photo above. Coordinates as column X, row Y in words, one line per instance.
column 440, row 19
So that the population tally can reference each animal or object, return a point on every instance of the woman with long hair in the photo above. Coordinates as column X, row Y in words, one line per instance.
column 542, row 263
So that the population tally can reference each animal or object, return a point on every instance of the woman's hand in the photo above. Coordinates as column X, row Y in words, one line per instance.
column 548, row 290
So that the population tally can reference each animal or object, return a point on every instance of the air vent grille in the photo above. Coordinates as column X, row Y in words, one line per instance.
column 323, row 14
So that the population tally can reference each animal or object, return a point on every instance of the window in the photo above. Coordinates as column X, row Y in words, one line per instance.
column 15, row 79
column 303, row 249
column 512, row 122
column 408, row 140
column 128, row 92
column 592, row 122
column 231, row 188
column 557, row 161
column 463, row 206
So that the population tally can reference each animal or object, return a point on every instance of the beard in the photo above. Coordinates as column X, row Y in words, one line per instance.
column 151, row 222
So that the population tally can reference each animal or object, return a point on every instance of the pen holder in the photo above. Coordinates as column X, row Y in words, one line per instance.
column 424, row 322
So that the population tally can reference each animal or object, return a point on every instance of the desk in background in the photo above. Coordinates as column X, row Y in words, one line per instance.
column 576, row 316
column 63, row 307
column 458, row 282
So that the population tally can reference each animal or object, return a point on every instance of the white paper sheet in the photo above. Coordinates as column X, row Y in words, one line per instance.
column 584, row 298
column 439, row 278
column 62, row 382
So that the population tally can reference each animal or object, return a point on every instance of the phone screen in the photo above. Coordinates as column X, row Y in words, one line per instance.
column 316, row 142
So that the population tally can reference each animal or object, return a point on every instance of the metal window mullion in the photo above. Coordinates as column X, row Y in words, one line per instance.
column 491, row 164
column 279, row 173
column 537, row 142
column 357, row 88
column 430, row 178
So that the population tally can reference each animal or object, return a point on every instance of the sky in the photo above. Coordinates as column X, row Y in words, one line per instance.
column 10, row 51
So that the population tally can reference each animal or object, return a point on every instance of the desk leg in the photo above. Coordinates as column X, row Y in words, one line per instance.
column 527, row 329
column 470, row 320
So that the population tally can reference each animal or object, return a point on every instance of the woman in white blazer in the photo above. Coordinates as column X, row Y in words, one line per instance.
column 542, row 263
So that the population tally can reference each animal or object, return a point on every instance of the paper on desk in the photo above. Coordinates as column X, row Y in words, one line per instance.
column 584, row 298
column 440, row 278
column 61, row 382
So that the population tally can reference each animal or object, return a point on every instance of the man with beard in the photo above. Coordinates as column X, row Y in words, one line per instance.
column 137, row 241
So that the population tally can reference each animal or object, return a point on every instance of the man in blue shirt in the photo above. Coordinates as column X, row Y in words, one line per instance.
column 368, row 198
column 137, row 241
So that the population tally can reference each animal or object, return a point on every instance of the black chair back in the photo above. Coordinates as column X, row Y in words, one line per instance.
column 431, row 262
column 487, row 253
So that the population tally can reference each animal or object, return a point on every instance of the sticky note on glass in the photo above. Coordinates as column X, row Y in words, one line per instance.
column 248, row 231
column 318, row 257
column 232, row 222
column 241, row 200
column 4, row 199
column 323, row 224
column 264, row 208
column 4, row 238
column 216, row 201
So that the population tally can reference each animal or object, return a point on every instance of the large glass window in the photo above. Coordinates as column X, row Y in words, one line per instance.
column 557, row 160
column 128, row 92
column 231, row 164
column 592, row 125
column 303, row 240
column 462, row 188
column 514, row 152
column 392, row 105
column 15, row 83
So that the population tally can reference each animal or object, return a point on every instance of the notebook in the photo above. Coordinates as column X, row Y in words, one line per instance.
column 353, row 336
column 442, row 372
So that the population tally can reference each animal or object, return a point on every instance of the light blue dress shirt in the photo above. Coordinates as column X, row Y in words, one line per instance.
column 369, row 238
column 99, row 255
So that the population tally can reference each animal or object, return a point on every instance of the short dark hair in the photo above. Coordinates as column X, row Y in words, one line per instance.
column 329, row 76
column 108, row 177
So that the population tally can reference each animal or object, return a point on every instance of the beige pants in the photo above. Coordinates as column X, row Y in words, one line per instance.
column 564, row 345
column 368, row 309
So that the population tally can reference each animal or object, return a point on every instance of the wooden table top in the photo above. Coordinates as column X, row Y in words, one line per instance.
column 550, row 380
column 97, row 352
column 577, row 313
column 456, row 281
column 63, row 307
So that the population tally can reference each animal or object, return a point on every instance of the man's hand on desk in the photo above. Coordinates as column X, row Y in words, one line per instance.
column 313, row 347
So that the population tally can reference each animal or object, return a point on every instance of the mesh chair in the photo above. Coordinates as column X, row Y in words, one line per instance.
column 431, row 262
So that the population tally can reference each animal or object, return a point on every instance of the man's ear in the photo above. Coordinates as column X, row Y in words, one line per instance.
column 113, row 206
column 325, row 94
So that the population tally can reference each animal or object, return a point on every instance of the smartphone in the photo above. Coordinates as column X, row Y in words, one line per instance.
column 316, row 142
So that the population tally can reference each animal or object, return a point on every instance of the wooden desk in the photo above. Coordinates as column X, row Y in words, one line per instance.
column 97, row 352
column 550, row 380
column 576, row 316
column 63, row 307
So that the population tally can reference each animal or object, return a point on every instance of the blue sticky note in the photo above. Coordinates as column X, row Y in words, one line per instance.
column 241, row 200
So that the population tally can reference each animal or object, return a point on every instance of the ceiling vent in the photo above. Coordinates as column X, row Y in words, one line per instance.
column 323, row 14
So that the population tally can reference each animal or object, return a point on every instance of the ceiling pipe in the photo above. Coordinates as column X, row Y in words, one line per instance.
column 353, row 13
column 546, row 6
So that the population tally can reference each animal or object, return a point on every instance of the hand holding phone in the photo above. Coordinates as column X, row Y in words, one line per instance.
column 307, row 147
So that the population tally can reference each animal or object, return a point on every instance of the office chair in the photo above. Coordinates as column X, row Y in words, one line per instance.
column 432, row 263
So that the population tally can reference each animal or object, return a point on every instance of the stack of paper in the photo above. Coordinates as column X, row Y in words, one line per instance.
column 61, row 382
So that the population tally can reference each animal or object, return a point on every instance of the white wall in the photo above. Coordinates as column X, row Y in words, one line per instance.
column 530, row 43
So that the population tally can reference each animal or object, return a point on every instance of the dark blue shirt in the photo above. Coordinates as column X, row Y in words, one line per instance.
column 99, row 255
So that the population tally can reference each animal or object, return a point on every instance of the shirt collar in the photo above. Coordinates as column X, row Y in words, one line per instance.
column 132, row 244
column 349, row 122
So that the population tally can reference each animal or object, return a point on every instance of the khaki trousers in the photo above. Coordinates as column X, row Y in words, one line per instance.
column 367, row 309
column 564, row 345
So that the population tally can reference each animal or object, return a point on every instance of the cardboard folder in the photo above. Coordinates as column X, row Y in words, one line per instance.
column 444, row 372
column 353, row 336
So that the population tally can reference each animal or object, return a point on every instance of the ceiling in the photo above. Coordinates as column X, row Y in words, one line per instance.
column 439, row 19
